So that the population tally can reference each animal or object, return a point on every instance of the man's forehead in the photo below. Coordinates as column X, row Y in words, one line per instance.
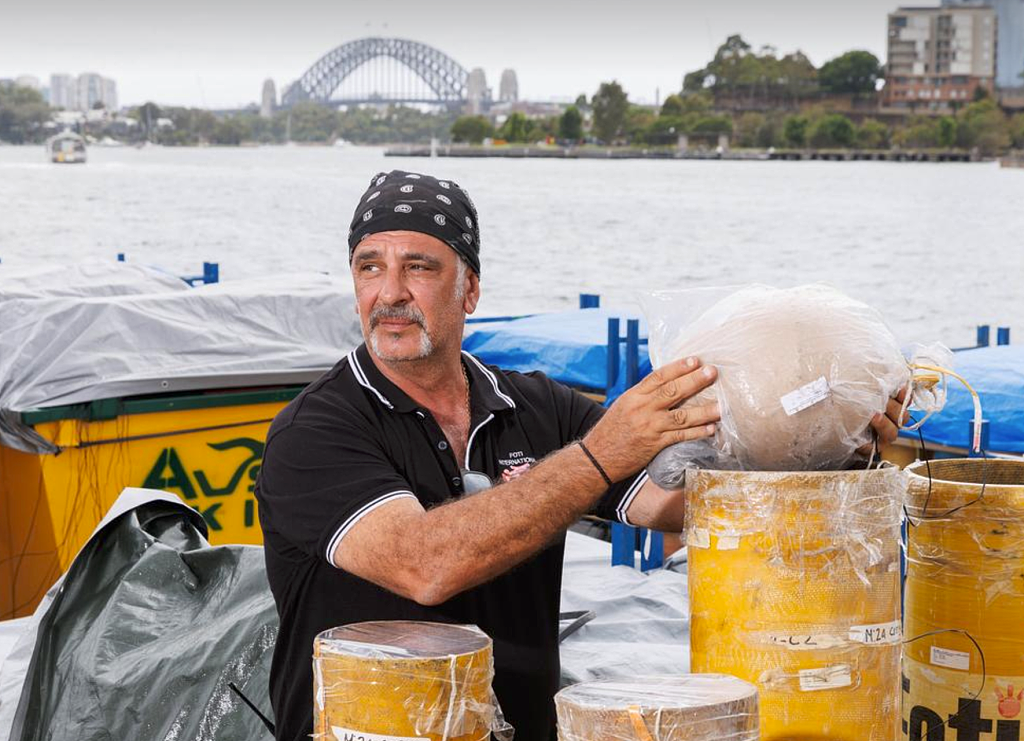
column 403, row 243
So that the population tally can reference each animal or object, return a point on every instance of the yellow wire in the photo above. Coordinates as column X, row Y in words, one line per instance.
column 976, row 442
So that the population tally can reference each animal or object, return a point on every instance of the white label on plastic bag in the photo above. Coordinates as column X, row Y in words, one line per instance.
column 951, row 659
column 805, row 396
column 879, row 634
column 728, row 542
column 829, row 678
column 805, row 641
column 344, row 734
column 698, row 537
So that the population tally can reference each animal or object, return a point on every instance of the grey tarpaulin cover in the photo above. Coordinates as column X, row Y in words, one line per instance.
column 65, row 349
column 141, row 637
column 640, row 623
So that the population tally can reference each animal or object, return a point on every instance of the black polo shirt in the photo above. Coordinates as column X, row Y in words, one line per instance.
column 353, row 441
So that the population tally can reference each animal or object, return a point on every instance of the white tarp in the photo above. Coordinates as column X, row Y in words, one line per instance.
column 65, row 349
column 89, row 278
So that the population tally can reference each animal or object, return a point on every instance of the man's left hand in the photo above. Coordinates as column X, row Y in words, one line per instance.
column 887, row 426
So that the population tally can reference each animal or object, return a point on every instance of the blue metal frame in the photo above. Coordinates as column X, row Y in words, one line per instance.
column 983, row 337
column 627, row 539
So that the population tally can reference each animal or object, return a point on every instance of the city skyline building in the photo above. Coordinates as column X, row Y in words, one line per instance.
column 28, row 81
column 63, row 92
column 1009, row 38
column 82, row 93
column 939, row 57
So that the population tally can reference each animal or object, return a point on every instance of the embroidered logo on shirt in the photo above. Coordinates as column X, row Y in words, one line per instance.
column 516, row 464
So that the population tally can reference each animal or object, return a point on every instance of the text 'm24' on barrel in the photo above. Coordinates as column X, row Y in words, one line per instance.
column 697, row 707
column 965, row 576
column 403, row 679
column 794, row 586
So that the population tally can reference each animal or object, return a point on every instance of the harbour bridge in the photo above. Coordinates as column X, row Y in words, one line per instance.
column 387, row 70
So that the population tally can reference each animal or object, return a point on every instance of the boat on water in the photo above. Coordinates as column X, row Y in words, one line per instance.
column 66, row 148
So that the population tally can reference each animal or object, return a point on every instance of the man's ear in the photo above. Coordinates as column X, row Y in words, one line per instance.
column 471, row 297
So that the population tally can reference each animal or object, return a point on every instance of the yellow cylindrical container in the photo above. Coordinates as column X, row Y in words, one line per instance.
column 794, row 585
column 402, row 680
column 697, row 707
column 965, row 572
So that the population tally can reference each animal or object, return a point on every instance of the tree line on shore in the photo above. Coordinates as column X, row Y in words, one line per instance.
column 758, row 99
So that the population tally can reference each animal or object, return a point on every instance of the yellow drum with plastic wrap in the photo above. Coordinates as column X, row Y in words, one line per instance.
column 698, row 707
column 794, row 586
column 402, row 681
column 965, row 572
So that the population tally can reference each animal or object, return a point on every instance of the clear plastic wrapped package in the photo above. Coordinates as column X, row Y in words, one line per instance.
column 696, row 707
column 794, row 585
column 801, row 373
column 964, row 660
column 405, row 680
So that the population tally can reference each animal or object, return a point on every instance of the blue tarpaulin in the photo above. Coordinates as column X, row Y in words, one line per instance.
column 569, row 346
column 997, row 374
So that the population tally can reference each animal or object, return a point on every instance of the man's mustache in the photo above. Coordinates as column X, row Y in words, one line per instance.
column 404, row 313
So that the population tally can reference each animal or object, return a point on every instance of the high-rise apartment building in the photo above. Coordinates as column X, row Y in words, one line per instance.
column 1009, row 38
column 63, row 92
column 939, row 56
column 28, row 81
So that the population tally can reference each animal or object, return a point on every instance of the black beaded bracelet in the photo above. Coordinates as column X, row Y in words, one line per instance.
column 594, row 461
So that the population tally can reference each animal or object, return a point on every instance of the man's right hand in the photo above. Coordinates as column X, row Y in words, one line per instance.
column 649, row 417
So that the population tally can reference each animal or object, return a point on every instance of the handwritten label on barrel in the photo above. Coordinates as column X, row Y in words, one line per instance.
column 345, row 734
column 951, row 659
column 827, row 678
column 880, row 634
column 805, row 396
column 805, row 642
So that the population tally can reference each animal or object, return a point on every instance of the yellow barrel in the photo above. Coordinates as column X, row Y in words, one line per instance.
column 794, row 586
column 697, row 707
column 965, row 572
column 402, row 681
column 206, row 447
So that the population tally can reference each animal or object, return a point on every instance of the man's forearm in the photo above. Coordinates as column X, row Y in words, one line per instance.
column 478, row 537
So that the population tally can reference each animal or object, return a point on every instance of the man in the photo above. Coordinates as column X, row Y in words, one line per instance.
column 413, row 482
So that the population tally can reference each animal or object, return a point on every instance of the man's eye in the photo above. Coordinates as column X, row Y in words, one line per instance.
column 368, row 268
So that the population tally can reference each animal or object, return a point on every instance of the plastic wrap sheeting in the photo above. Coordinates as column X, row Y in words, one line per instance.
column 801, row 373
column 143, row 634
column 404, row 679
column 699, row 707
column 268, row 331
column 965, row 572
column 794, row 584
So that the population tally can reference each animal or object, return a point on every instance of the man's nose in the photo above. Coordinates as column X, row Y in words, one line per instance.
column 395, row 292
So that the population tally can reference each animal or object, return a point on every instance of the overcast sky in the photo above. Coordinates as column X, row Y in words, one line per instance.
column 216, row 53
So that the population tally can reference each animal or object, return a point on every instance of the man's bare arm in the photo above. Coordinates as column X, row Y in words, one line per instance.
column 430, row 556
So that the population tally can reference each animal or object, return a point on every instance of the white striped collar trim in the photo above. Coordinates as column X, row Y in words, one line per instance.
column 359, row 514
column 631, row 493
column 357, row 371
column 494, row 381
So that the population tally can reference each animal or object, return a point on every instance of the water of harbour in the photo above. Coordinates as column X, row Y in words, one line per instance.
column 938, row 248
